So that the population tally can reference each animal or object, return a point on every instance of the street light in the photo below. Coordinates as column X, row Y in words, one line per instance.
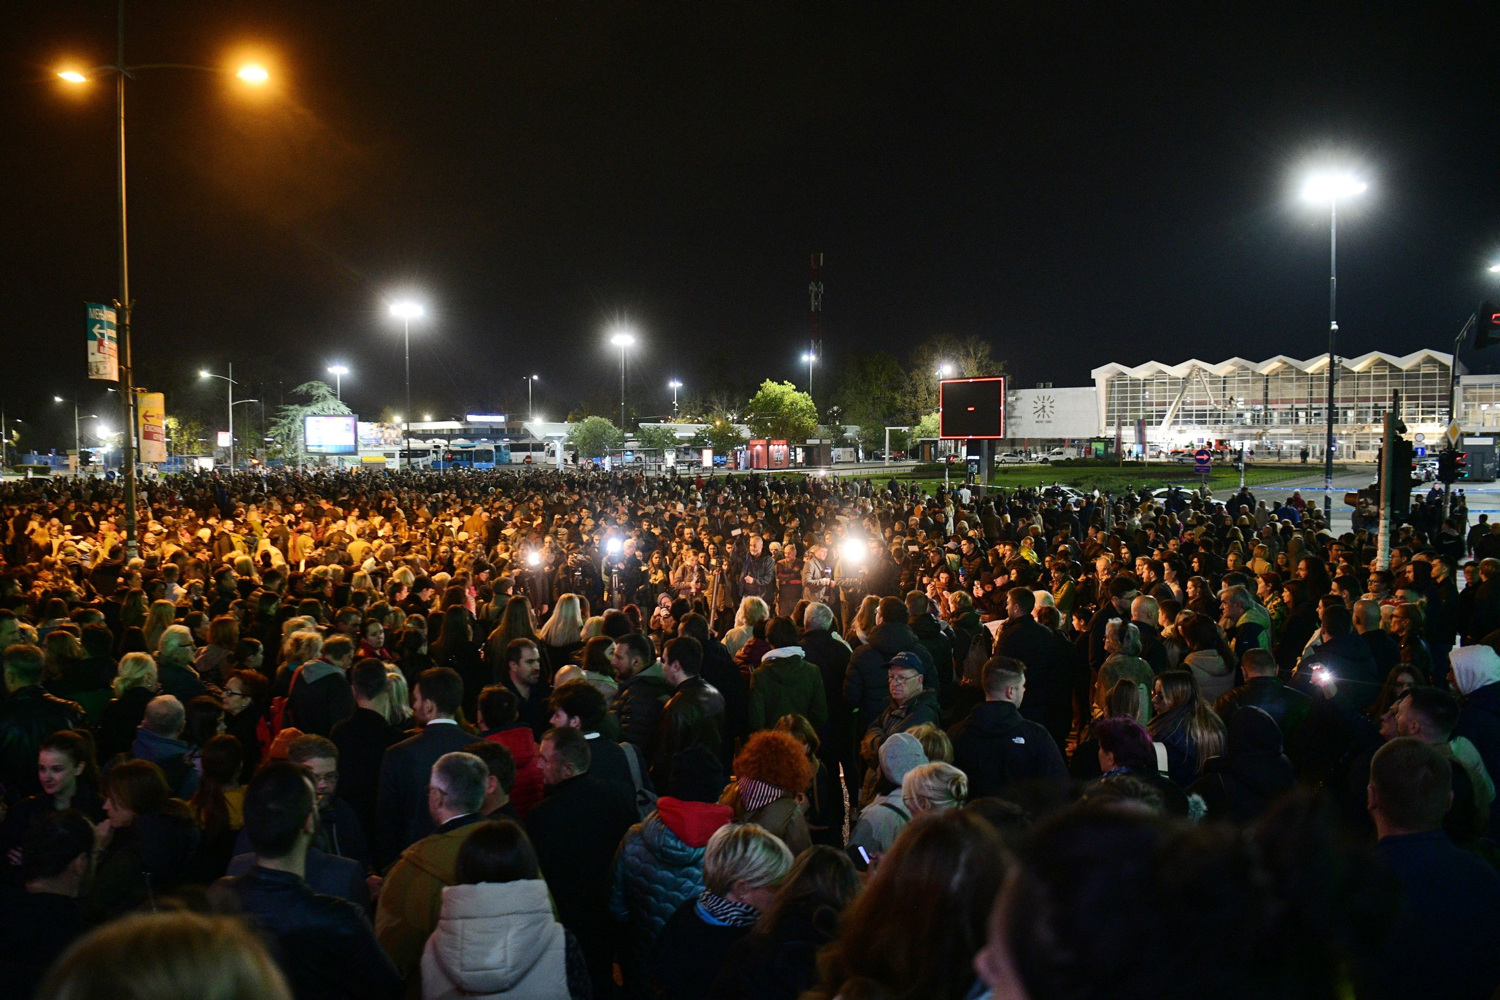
column 338, row 372
column 407, row 310
column 622, row 339
column 809, row 357
column 253, row 75
column 1331, row 187
column 77, row 440
column 530, row 409
column 945, row 370
column 674, row 385
column 230, row 383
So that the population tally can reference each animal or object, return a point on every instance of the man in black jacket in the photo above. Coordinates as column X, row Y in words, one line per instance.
column 644, row 689
column 758, row 573
column 1262, row 689
column 320, row 696
column 694, row 714
column 831, row 657
column 326, row 946
column 1049, row 685
column 362, row 740
column 995, row 746
column 406, row 767
column 934, row 634
column 576, row 830
column 720, row 670
column 28, row 716
column 865, row 680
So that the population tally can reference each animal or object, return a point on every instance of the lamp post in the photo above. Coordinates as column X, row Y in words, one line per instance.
column 1330, row 188
column 530, row 409
column 338, row 372
column 809, row 358
column 622, row 339
column 406, row 310
column 77, row 438
column 230, row 383
column 674, row 385
column 252, row 75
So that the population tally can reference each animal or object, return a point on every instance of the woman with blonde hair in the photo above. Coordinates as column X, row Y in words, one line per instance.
column 158, row 619
column 562, row 635
column 934, row 787
column 753, row 611
column 864, row 618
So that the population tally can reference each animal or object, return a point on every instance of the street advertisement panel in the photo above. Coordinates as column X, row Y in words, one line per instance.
column 152, row 407
column 103, row 346
column 780, row 455
column 332, row 434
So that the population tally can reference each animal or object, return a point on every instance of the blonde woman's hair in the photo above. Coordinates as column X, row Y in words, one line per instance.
column 935, row 786
column 159, row 618
column 397, row 697
column 591, row 628
column 752, row 611
column 935, row 742
column 565, row 626
column 167, row 956
column 136, row 670
column 303, row 646
column 744, row 852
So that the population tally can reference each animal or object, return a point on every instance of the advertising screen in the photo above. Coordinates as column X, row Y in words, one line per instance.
column 331, row 435
column 972, row 407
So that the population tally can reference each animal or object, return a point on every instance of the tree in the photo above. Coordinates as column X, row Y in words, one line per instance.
column 871, row 393
column 779, row 411
column 927, row 427
column 657, row 438
column 594, row 437
column 721, row 435
column 184, row 434
column 969, row 357
column 317, row 400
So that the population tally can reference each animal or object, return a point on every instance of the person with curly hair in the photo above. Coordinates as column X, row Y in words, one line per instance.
column 771, row 773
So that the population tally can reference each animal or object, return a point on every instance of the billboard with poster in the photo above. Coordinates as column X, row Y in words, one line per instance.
column 755, row 454
column 972, row 407
column 334, row 434
column 152, row 409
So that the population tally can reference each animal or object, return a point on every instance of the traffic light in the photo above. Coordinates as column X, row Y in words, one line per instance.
column 1452, row 466
column 1487, row 325
column 1402, row 479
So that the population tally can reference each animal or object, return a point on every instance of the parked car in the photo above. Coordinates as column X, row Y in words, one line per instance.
column 1011, row 458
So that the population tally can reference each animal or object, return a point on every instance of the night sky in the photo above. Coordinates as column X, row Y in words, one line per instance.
column 1076, row 183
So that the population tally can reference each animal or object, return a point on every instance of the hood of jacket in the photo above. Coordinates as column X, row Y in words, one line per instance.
column 491, row 935
column 155, row 747
column 1252, row 754
column 1209, row 661
column 890, row 638
column 316, row 670
column 1474, row 667
column 679, row 830
column 925, row 627
column 782, row 653
column 993, row 720
column 785, row 668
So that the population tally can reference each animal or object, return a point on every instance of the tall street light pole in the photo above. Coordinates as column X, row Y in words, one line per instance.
column 230, row 383
column 1330, row 188
column 675, row 384
column 77, row 438
column 530, row 409
column 338, row 372
column 252, row 75
column 623, row 340
column 406, row 310
column 810, row 358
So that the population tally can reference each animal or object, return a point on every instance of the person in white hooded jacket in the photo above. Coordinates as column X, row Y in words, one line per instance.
column 497, row 935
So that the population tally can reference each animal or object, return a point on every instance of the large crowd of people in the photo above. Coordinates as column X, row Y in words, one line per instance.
column 572, row 735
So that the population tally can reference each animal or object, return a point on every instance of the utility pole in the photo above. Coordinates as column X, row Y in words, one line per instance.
column 815, row 331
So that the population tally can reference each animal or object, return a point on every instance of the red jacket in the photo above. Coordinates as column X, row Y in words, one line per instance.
column 527, row 790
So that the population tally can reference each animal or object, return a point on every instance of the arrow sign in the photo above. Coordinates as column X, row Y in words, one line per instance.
column 103, row 353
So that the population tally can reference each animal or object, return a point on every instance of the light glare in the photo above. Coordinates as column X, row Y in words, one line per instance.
column 853, row 550
column 1332, row 187
column 73, row 76
column 253, row 74
column 407, row 309
column 622, row 338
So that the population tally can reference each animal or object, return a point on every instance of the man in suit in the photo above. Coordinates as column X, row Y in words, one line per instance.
column 404, row 771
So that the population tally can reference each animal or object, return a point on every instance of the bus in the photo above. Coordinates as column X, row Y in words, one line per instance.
column 473, row 456
column 537, row 451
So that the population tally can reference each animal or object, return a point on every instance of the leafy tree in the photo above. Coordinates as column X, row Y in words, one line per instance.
column 721, row 435
column 183, row 434
column 927, row 427
column 317, row 399
column 780, row 411
column 871, row 392
column 969, row 357
column 657, row 438
column 593, row 437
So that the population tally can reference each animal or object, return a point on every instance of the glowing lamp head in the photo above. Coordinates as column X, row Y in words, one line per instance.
column 853, row 550
column 254, row 74
column 622, row 338
column 337, row 370
column 204, row 374
column 73, row 76
column 1332, row 186
column 945, row 369
column 407, row 309
column 57, row 399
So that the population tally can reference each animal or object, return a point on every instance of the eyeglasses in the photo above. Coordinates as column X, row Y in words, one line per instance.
column 904, row 678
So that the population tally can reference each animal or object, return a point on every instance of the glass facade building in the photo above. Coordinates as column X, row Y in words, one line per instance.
column 1277, row 405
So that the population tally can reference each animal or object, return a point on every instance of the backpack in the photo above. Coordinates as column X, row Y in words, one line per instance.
column 277, row 717
column 645, row 798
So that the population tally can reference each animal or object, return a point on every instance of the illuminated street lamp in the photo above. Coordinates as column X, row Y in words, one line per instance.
column 674, row 385
column 407, row 310
column 530, row 409
column 338, row 372
column 1331, row 188
column 253, row 75
column 810, row 359
column 623, row 339
column 77, row 447
column 230, row 384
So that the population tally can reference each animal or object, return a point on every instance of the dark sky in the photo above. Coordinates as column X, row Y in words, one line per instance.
column 1077, row 183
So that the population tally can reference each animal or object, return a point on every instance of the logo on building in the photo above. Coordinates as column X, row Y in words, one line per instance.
column 1043, row 409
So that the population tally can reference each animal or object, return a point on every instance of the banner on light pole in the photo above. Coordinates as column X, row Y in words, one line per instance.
column 152, row 407
column 103, row 343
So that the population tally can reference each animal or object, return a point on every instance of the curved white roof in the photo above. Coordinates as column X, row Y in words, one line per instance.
column 1270, row 365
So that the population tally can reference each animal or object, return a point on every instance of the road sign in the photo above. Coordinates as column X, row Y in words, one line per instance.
column 1420, row 438
column 1421, row 450
column 1453, row 434
column 1202, row 460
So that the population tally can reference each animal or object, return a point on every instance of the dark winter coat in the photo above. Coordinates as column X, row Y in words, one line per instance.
column 320, row 698
column 786, row 685
column 1251, row 775
column 937, row 638
column 780, row 964
column 1049, row 681
column 865, row 685
column 639, row 705
column 27, row 717
column 1288, row 708
column 998, row 748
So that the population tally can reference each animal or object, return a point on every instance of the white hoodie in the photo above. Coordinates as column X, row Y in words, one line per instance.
column 496, row 939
